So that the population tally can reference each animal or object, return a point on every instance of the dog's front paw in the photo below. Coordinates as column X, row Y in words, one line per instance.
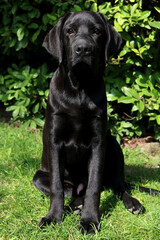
column 89, row 226
column 50, row 218
column 45, row 221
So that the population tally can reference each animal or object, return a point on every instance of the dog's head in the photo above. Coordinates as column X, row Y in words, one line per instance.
column 83, row 39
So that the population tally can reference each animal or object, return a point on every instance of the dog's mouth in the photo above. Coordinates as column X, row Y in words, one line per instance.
column 82, row 67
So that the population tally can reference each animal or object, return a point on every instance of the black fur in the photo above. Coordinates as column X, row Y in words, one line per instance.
column 79, row 155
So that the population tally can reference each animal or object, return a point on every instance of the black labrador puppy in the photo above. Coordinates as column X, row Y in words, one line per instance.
column 79, row 155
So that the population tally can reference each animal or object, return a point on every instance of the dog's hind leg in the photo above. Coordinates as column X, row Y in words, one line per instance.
column 41, row 181
column 114, row 175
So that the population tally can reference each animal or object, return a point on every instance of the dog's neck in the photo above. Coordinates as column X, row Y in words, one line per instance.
column 84, row 81
column 83, row 76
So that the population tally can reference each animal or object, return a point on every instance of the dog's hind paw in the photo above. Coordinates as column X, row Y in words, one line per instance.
column 77, row 205
column 132, row 204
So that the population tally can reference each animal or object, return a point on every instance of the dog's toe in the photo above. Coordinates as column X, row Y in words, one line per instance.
column 89, row 226
column 132, row 204
column 44, row 222
column 138, row 209
column 77, row 205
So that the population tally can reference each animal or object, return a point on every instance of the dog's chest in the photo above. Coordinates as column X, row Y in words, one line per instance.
column 76, row 135
column 75, row 124
column 73, row 130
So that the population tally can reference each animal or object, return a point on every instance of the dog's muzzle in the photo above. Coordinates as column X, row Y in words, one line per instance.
column 82, row 52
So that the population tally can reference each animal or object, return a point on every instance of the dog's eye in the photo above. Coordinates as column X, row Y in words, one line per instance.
column 96, row 31
column 70, row 31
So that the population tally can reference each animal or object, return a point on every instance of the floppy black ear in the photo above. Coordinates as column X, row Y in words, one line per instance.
column 114, row 39
column 53, row 40
column 114, row 44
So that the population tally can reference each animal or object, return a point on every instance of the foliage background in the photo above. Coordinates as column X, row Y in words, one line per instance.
column 132, row 79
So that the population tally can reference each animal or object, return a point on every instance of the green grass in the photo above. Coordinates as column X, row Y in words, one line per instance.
column 22, row 205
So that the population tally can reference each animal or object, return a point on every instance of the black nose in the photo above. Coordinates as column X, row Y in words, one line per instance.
column 83, row 49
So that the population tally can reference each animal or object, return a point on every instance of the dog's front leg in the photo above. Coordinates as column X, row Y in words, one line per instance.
column 90, row 213
column 56, row 209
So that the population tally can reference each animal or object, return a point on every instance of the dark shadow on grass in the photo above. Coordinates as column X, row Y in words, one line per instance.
column 141, row 175
column 135, row 175
column 30, row 163
column 108, row 203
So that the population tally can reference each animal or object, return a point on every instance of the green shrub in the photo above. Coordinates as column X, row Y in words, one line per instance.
column 25, row 93
column 132, row 80
column 24, row 80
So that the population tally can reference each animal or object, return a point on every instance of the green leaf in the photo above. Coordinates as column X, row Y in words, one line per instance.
column 130, row 92
column 39, row 122
column 126, row 124
column 122, row 53
column 11, row 108
column 51, row 17
column 33, row 25
column 125, row 14
column 157, row 9
column 114, row 95
column 27, row 102
column 14, row 8
column 40, row 92
column 44, row 105
column 138, row 62
column 117, row 26
column 22, row 44
column 135, row 50
column 35, row 35
column 111, row 97
column 138, row 131
column 146, row 92
column 155, row 24
column 46, row 93
column 126, row 36
column 34, row 13
column 158, row 119
column 77, row 8
column 33, row 124
column 133, row 8
column 12, row 42
column 145, row 14
column 22, row 111
column 20, row 34
column 45, row 19
column 134, row 108
column 140, row 106
column 141, row 81
column 35, row 108
column 142, row 49
column 93, row 7
column 156, row 93
column 156, row 106
column 16, row 112
column 126, row 100
column 1, row 79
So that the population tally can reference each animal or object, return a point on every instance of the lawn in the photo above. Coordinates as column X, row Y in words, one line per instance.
column 22, row 205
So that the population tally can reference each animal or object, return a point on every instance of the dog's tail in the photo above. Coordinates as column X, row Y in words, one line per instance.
column 149, row 191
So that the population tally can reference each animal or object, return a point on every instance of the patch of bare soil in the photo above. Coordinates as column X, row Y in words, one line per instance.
column 146, row 144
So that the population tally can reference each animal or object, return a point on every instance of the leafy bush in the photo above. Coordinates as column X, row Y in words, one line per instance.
column 23, row 79
column 25, row 93
column 132, row 80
